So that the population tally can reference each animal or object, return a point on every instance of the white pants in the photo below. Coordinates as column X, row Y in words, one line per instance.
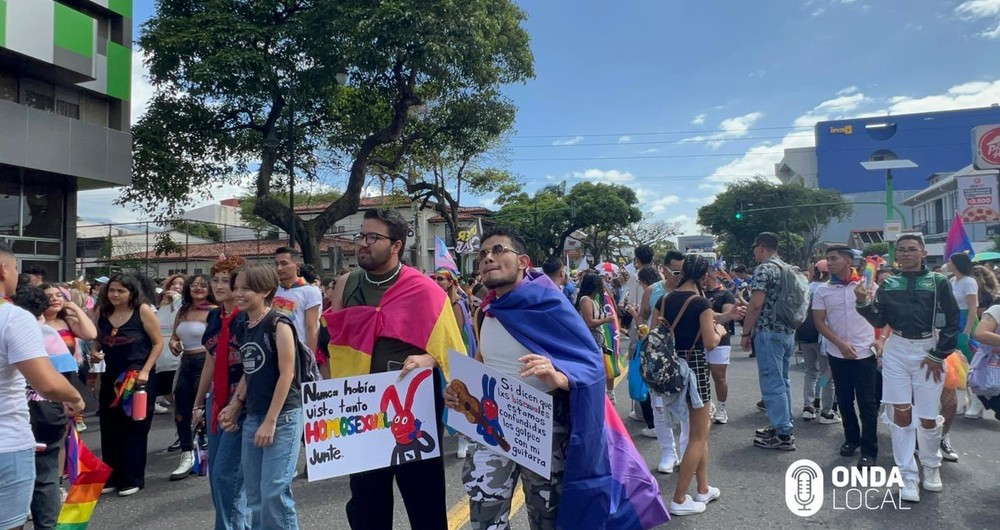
column 663, row 423
column 905, row 382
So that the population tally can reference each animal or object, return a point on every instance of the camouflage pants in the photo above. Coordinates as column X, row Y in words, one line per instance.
column 490, row 480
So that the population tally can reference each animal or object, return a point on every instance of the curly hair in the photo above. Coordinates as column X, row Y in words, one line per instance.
column 228, row 264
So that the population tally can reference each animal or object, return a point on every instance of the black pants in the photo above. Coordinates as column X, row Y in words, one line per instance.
column 856, row 382
column 188, row 375
column 421, row 484
column 647, row 410
column 46, row 501
column 123, row 440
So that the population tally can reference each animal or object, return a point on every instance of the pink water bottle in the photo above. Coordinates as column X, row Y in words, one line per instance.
column 139, row 403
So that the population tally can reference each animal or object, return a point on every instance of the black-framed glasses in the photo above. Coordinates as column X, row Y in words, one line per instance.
column 369, row 238
column 496, row 250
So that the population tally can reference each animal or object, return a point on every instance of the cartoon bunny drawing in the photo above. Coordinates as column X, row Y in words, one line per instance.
column 412, row 443
column 492, row 432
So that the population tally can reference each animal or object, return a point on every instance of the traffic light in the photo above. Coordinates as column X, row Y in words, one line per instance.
column 739, row 212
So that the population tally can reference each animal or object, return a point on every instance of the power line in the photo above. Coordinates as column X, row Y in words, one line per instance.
column 665, row 142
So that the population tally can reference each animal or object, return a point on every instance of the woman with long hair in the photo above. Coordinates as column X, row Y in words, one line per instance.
column 690, row 315
column 185, row 342
column 989, row 288
column 220, row 376
column 270, row 391
column 590, row 304
column 167, row 307
column 128, row 334
column 74, row 327
column 460, row 307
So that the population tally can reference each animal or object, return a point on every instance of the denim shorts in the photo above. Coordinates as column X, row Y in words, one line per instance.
column 17, row 482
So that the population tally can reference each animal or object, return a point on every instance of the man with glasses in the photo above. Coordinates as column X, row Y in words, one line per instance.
column 383, row 317
column 773, row 342
column 917, row 304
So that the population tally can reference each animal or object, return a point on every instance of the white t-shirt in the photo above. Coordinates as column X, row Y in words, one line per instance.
column 20, row 340
column 294, row 302
column 501, row 351
column 962, row 288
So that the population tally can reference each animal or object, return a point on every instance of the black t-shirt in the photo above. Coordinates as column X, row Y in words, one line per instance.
column 358, row 291
column 260, row 365
column 690, row 322
column 210, row 339
column 720, row 298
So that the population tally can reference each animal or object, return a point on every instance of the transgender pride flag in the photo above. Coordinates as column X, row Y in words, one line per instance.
column 958, row 240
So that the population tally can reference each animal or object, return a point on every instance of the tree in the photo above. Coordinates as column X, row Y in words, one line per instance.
column 876, row 249
column 198, row 229
column 552, row 215
column 652, row 233
column 228, row 74
column 249, row 202
column 811, row 211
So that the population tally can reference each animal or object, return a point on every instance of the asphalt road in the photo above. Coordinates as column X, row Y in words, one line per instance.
column 751, row 479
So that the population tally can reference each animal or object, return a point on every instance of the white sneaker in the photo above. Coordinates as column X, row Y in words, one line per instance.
column 129, row 491
column 633, row 416
column 932, row 479
column 910, row 491
column 184, row 467
column 648, row 433
column 975, row 409
column 721, row 416
column 63, row 494
column 611, row 396
column 463, row 447
column 160, row 409
column 109, row 489
column 668, row 464
column 712, row 494
column 690, row 507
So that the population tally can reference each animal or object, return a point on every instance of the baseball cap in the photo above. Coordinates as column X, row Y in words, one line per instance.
column 103, row 279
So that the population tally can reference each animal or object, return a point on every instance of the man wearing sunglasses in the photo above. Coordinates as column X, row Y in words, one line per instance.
column 919, row 307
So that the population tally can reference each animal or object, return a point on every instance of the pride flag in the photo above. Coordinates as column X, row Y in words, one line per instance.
column 442, row 258
column 400, row 315
column 88, row 474
column 958, row 240
column 610, row 332
column 606, row 483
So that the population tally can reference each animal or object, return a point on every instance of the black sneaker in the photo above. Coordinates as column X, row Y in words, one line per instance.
column 947, row 452
column 848, row 449
column 780, row 442
column 752, row 354
column 866, row 461
column 765, row 432
column 761, row 407
column 174, row 447
column 808, row 413
column 816, row 403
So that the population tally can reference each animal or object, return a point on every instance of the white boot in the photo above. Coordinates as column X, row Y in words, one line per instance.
column 975, row 409
column 184, row 467
column 904, row 443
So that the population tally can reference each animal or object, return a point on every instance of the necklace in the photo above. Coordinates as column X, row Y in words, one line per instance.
column 257, row 320
column 368, row 279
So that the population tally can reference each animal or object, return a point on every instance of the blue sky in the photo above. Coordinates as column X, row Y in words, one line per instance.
column 676, row 98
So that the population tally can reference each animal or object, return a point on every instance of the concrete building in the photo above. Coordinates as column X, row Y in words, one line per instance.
column 227, row 216
column 65, row 84
column 798, row 166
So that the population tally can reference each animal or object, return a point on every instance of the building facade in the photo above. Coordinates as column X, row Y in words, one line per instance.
column 65, row 85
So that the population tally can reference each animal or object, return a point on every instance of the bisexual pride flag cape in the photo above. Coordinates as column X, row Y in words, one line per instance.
column 88, row 474
column 401, row 315
column 606, row 484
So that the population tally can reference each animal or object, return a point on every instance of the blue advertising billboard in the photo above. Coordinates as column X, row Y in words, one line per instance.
column 937, row 141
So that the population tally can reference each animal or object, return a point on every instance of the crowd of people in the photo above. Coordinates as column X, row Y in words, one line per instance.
column 234, row 362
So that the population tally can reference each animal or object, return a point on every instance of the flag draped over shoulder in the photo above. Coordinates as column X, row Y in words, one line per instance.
column 958, row 240
column 606, row 484
column 401, row 316
column 88, row 474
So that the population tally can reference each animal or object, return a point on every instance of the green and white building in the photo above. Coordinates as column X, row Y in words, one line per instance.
column 65, row 84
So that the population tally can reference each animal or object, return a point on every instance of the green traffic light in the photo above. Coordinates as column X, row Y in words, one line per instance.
column 739, row 216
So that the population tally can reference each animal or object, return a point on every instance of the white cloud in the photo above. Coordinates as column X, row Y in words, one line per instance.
column 982, row 9
column 612, row 176
column 624, row 139
column 699, row 119
column 99, row 205
column 913, row 27
column 847, row 91
column 700, row 201
column 142, row 90
column 819, row 11
column 688, row 225
column 965, row 95
column 649, row 151
column 659, row 206
column 729, row 128
column 568, row 141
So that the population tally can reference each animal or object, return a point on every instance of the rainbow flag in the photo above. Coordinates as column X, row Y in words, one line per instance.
column 958, row 240
column 354, row 330
column 88, row 474
column 606, row 483
column 872, row 265
column 612, row 358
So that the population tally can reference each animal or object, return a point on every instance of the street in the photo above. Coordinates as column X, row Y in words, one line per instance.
column 751, row 479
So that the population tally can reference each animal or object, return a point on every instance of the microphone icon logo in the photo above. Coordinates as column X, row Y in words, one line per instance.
column 804, row 488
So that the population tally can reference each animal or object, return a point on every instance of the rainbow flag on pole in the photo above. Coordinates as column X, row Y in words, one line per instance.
column 610, row 331
column 88, row 474
column 354, row 330
column 958, row 240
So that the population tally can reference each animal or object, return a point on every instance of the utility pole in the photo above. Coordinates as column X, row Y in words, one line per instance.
column 291, row 164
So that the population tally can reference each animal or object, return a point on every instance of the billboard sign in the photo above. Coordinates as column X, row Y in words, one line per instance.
column 986, row 147
column 977, row 199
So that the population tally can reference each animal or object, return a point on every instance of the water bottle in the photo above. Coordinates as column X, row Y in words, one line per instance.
column 139, row 403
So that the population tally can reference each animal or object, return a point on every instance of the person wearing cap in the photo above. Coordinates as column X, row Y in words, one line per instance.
column 817, row 363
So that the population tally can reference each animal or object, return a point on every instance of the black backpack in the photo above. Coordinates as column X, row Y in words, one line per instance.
column 306, row 369
column 661, row 366
column 807, row 331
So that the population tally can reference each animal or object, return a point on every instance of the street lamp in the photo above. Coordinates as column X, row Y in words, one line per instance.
column 887, row 160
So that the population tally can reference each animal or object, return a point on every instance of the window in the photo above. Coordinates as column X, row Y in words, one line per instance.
column 68, row 103
column 38, row 95
column 95, row 110
column 43, row 211
column 10, row 202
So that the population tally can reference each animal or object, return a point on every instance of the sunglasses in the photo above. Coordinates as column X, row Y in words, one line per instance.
column 497, row 251
column 442, row 279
